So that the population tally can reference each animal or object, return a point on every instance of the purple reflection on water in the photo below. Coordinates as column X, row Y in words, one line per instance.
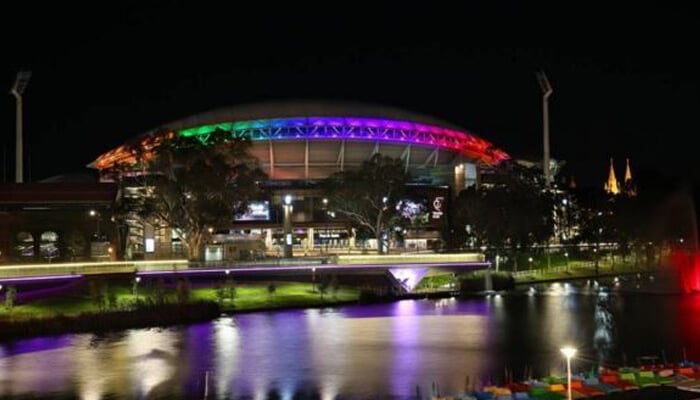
column 35, row 345
column 198, row 342
column 419, row 307
column 406, row 360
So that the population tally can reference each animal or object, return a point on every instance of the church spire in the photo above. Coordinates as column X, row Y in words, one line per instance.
column 629, row 186
column 611, row 185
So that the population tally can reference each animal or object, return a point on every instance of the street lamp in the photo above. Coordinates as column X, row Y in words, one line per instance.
column 136, row 287
column 21, row 82
column 288, row 226
column 325, row 219
column 313, row 279
column 529, row 263
column 566, row 260
column 568, row 352
column 97, row 216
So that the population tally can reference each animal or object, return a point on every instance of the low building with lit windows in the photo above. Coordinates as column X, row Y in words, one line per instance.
column 57, row 222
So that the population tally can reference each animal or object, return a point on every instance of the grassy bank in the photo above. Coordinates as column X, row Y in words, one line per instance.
column 579, row 270
column 108, row 305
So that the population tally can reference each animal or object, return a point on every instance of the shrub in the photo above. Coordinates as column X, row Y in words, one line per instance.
column 183, row 291
column 10, row 297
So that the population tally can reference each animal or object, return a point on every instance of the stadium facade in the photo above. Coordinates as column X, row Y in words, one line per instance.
column 299, row 144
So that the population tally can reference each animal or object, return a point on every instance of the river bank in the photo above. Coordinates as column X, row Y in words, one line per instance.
column 104, row 306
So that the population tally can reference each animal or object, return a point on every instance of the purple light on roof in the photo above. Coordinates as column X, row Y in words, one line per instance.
column 278, row 123
column 364, row 129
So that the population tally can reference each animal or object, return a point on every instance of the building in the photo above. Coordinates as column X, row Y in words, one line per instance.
column 613, row 187
column 57, row 221
column 301, row 143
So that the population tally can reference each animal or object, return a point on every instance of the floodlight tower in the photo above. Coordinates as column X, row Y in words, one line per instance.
column 546, row 92
column 21, row 82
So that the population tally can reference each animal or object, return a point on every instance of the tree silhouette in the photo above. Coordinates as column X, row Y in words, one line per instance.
column 370, row 197
column 191, row 183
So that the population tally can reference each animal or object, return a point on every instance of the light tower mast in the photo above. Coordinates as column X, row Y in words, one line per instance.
column 546, row 92
column 21, row 82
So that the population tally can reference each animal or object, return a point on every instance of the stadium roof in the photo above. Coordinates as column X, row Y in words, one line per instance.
column 318, row 121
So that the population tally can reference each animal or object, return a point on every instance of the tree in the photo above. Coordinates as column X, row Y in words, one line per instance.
column 230, row 289
column 158, row 293
column 335, row 286
column 323, row 287
column 112, row 299
column 192, row 183
column 76, row 244
column 220, row 292
column 182, row 291
column 370, row 197
column 97, row 294
column 513, row 215
column 10, row 297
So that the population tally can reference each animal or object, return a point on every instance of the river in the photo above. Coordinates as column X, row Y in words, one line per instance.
column 369, row 351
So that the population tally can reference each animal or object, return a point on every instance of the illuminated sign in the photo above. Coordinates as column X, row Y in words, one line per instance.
column 257, row 211
column 437, row 207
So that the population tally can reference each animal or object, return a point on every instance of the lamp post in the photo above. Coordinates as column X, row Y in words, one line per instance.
column 97, row 216
column 136, row 287
column 568, row 352
column 325, row 208
column 313, row 279
column 529, row 263
column 288, row 241
column 21, row 82
column 566, row 260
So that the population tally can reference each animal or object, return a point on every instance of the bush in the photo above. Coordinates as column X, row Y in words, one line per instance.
column 112, row 300
column 10, row 297
column 183, row 291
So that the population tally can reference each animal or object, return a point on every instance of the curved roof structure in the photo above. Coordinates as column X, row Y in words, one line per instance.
column 329, row 132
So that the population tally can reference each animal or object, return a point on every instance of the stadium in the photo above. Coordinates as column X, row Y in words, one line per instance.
column 299, row 144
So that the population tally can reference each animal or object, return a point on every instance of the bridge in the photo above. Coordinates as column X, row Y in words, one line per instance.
column 406, row 270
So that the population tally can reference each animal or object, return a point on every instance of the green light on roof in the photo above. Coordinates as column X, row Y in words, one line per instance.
column 204, row 129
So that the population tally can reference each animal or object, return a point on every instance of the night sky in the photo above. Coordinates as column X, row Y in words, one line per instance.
column 626, row 81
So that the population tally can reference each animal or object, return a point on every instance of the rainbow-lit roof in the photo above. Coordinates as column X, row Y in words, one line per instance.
column 327, row 128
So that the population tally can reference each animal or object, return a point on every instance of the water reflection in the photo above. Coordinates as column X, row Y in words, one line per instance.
column 353, row 352
column 603, row 338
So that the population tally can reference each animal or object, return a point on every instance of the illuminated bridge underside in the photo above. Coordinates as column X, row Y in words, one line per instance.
column 339, row 142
